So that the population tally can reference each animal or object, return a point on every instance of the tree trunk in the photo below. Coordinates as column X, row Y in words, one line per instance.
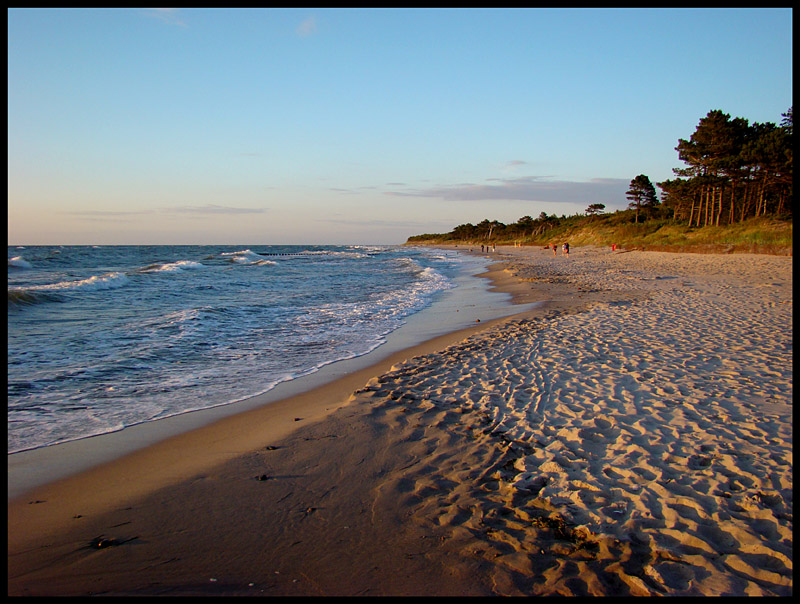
column 678, row 210
column 712, row 221
column 700, row 206
column 745, row 202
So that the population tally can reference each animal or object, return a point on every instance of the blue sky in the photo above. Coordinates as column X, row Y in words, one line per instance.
column 360, row 125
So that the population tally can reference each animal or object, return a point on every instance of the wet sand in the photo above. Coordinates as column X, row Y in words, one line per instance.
column 632, row 436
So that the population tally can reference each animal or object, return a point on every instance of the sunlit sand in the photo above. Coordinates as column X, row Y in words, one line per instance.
column 633, row 436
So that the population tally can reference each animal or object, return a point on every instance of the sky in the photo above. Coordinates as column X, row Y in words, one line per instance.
column 360, row 126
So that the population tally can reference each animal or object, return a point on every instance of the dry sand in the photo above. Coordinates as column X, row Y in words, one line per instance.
column 631, row 437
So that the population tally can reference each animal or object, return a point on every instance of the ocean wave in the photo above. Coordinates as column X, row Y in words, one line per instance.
column 171, row 267
column 25, row 297
column 95, row 283
column 384, row 311
column 19, row 262
column 187, row 322
column 247, row 257
column 432, row 274
column 430, row 282
column 232, row 331
column 417, row 269
column 370, row 249
column 418, row 295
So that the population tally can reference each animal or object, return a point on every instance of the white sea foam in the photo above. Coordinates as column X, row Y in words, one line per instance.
column 158, row 349
column 174, row 266
column 19, row 262
column 246, row 257
column 95, row 283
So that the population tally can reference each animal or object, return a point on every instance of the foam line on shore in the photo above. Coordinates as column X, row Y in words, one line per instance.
column 464, row 306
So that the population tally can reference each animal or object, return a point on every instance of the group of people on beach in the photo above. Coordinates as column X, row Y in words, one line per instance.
column 564, row 248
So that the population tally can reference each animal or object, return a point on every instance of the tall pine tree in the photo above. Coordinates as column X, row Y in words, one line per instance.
column 642, row 195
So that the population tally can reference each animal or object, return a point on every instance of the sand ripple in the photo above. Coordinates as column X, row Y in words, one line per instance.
column 645, row 442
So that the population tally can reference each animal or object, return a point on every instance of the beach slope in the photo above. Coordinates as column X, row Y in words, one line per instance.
column 630, row 437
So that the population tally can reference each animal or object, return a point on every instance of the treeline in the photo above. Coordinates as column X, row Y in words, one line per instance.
column 734, row 171
column 493, row 230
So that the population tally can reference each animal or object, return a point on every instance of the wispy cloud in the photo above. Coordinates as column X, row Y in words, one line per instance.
column 307, row 27
column 375, row 222
column 172, row 16
column 110, row 213
column 102, row 215
column 353, row 191
column 513, row 166
column 529, row 188
column 214, row 209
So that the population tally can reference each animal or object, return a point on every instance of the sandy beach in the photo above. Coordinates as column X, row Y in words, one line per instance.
column 631, row 436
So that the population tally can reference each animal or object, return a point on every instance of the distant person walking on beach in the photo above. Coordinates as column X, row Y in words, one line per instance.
column 555, row 249
column 566, row 249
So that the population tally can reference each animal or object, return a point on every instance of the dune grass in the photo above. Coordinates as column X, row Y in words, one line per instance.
column 757, row 235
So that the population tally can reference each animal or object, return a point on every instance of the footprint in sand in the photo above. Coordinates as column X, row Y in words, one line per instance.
column 700, row 462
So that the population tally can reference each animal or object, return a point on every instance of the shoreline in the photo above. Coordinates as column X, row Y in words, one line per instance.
column 453, row 310
column 551, row 452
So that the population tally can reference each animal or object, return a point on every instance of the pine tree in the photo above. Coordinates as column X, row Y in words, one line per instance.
column 642, row 195
column 595, row 208
column 734, row 169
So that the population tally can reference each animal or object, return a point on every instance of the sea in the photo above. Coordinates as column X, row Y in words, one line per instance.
column 105, row 337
